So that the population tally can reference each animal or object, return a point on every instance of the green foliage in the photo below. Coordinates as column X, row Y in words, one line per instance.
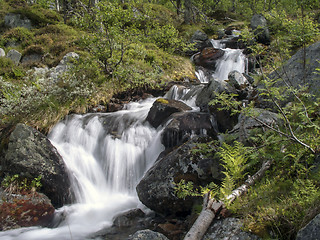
column 299, row 31
column 16, row 184
column 9, row 70
column 233, row 158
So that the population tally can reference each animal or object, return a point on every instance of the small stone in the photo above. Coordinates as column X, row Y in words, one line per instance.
column 2, row 53
column 14, row 55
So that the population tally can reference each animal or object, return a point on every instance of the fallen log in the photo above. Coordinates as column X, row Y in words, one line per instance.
column 212, row 206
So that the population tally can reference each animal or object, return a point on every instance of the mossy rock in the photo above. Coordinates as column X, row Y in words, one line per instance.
column 39, row 16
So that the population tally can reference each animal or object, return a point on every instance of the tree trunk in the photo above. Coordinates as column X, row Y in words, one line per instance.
column 188, row 13
column 208, row 213
column 211, row 206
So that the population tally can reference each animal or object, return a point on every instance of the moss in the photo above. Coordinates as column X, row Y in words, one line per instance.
column 163, row 101
column 18, row 35
column 38, row 15
column 33, row 49
column 57, row 29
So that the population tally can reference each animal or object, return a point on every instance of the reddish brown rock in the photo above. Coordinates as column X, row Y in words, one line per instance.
column 208, row 57
column 25, row 210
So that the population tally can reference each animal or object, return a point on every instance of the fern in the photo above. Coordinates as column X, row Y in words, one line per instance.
column 234, row 160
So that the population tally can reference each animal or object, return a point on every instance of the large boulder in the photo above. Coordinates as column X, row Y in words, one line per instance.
column 24, row 210
column 208, row 57
column 228, row 228
column 298, row 74
column 200, row 40
column 31, row 154
column 260, row 28
column 63, row 66
column 209, row 92
column 184, row 125
column 162, row 109
column 156, row 189
column 311, row 231
column 13, row 20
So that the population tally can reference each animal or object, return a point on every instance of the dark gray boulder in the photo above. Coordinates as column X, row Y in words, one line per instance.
column 13, row 20
column 184, row 125
column 209, row 92
column 311, row 231
column 156, row 189
column 147, row 235
column 162, row 109
column 297, row 74
column 31, row 58
column 260, row 28
column 228, row 228
column 31, row 154
column 200, row 40
column 129, row 218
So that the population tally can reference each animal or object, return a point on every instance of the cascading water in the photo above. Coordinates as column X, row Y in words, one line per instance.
column 106, row 155
column 233, row 59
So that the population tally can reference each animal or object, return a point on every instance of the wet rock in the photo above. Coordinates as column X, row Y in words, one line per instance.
column 229, row 228
column 209, row 92
column 129, row 218
column 2, row 53
column 12, row 20
column 162, row 109
column 147, row 235
column 185, row 125
column 311, row 231
column 237, row 80
column 24, row 210
column 207, row 57
column 224, row 119
column 14, row 56
column 156, row 189
column 259, row 26
column 31, row 154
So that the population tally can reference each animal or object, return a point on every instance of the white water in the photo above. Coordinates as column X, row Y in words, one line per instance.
column 106, row 155
column 233, row 59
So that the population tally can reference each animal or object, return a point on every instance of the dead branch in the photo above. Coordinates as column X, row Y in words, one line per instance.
column 212, row 206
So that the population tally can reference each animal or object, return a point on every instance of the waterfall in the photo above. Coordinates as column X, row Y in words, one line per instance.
column 233, row 59
column 106, row 155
